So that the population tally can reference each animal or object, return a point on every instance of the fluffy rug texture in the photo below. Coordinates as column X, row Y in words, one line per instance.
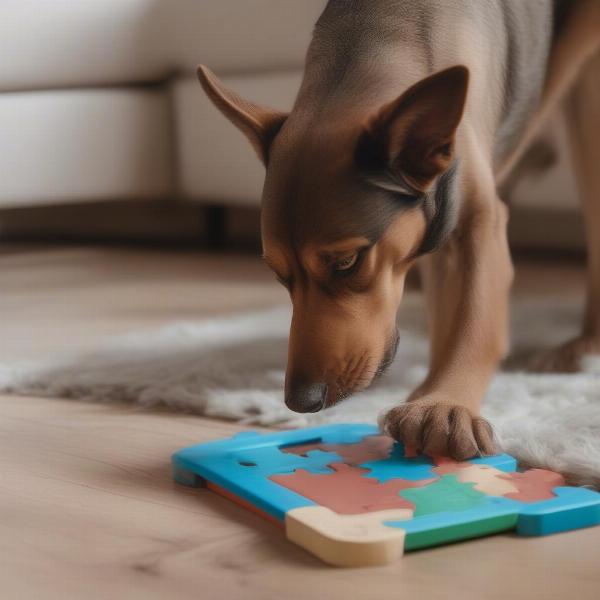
column 234, row 368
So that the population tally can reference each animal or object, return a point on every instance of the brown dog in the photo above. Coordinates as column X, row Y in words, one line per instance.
column 409, row 115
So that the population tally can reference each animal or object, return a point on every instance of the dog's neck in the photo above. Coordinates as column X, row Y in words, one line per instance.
column 363, row 54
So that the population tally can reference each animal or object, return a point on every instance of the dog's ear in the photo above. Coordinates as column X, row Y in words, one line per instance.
column 259, row 124
column 410, row 141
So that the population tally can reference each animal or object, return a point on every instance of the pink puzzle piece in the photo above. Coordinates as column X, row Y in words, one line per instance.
column 534, row 485
column 446, row 466
column 371, row 448
column 346, row 491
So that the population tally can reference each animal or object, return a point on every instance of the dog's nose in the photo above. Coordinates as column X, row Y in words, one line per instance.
column 305, row 397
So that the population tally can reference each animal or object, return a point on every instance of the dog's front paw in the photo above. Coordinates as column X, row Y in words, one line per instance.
column 438, row 428
column 566, row 358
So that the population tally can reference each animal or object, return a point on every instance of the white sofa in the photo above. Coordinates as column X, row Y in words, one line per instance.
column 99, row 99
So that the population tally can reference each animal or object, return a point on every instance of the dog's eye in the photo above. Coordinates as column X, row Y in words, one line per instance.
column 343, row 264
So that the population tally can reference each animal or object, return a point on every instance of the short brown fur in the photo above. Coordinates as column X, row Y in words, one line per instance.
column 356, row 180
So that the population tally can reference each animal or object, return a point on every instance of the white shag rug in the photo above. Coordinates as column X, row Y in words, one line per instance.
column 234, row 368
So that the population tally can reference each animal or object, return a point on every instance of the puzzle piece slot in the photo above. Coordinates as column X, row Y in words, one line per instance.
column 370, row 448
column 292, row 448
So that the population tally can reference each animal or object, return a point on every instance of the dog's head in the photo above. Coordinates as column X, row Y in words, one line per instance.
column 348, row 204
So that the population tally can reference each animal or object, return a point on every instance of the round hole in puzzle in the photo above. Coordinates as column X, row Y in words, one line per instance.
column 247, row 463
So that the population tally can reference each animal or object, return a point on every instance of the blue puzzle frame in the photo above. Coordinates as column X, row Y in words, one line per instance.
column 242, row 464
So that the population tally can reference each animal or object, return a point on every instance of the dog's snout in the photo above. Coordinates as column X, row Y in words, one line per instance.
column 305, row 397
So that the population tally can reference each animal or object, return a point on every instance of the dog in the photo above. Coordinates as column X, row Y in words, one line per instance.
column 410, row 115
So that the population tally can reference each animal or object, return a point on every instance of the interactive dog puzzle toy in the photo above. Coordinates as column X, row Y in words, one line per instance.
column 353, row 497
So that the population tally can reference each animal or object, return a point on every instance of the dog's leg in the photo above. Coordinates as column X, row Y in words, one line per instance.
column 583, row 119
column 466, row 284
column 577, row 40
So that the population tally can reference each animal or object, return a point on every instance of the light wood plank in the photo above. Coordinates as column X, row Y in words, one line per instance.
column 88, row 510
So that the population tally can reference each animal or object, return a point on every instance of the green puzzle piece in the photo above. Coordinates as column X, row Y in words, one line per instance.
column 445, row 494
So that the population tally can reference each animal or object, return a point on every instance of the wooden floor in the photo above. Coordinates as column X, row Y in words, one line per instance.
column 87, row 506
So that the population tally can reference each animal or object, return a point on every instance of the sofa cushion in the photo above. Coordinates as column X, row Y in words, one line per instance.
column 56, row 43
column 216, row 163
column 83, row 145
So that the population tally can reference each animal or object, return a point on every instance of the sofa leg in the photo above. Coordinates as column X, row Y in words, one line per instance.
column 216, row 226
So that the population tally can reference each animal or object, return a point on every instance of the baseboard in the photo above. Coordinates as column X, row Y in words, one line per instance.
column 546, row 230
column 539, row 230
column 172, row 223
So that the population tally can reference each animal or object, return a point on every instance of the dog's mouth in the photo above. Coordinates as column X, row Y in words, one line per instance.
column 336, row 393
column 389, row 355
